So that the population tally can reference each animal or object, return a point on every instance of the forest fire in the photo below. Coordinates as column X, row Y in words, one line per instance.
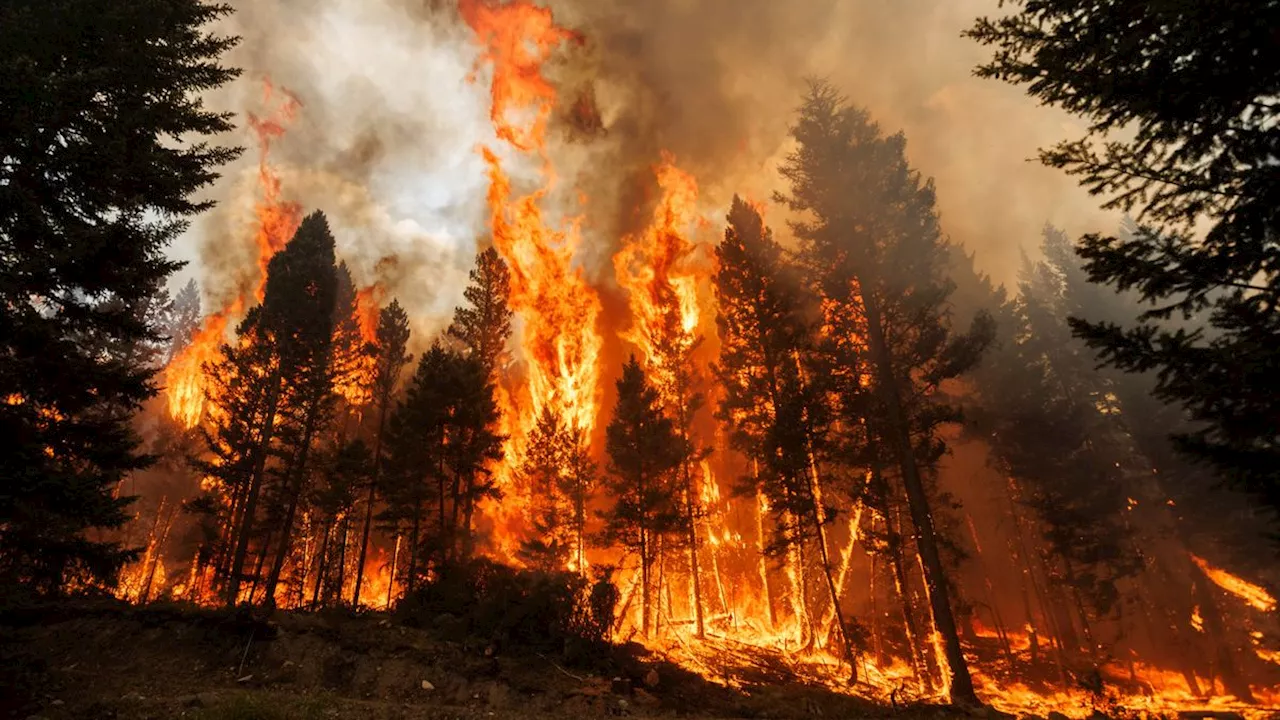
column 768, row 491
column 276, row 221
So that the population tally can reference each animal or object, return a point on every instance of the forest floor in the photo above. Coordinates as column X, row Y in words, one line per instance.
column 103, row 659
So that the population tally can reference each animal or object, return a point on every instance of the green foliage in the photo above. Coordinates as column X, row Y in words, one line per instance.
column 103, row 143
column 1180, row 100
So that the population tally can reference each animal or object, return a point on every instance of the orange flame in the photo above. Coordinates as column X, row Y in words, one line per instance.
column 276, row 222
column 557, row 306
column 1252, row 594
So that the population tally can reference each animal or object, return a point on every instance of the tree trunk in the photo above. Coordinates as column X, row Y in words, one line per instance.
column 368, row 511
column 251, row 499
column 321, row 565
column 962, row 692
column 297, row 479
column 694, row 579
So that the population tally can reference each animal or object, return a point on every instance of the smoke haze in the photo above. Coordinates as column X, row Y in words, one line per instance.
column 386, row 139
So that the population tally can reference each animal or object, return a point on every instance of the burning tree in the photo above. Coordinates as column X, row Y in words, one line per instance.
column 392, row 356
column 270, row 391
column 645, row 455
column 560, row 476
column 440, row 445
column 779, row 419
column 485, row 327
column 874, row 248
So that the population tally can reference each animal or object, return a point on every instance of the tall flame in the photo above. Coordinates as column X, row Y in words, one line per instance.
column 276, row 221
column 558, row 308
column 660, row 272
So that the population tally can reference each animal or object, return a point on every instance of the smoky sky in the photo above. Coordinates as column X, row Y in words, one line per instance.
column 386, row 140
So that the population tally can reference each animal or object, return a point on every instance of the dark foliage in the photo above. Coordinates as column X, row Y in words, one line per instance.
column 103, row 143
column 1180, row 98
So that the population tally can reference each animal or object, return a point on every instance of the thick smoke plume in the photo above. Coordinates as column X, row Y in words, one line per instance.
column 386, row 139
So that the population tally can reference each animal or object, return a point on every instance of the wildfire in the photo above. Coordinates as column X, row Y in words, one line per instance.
column 276, row 222
column 558, row 308
column 661, row 273
column 1243, row 589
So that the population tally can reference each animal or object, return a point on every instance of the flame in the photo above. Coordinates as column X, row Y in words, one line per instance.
column 558, row 309
column 662, row 274
column 276, row 222
column 1252, row 594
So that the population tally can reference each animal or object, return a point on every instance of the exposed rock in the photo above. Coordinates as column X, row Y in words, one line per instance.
column 426, row 685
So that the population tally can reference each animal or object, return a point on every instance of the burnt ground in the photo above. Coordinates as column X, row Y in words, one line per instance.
column 104, row 659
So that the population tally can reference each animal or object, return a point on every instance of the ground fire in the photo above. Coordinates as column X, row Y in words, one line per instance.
column 749, row 431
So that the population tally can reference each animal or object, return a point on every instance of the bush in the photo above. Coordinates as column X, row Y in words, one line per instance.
column 512, row 608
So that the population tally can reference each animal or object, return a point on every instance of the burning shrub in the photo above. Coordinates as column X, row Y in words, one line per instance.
column 520, row 609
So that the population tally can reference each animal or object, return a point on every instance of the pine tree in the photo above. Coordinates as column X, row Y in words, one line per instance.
column 285, row 345
column 872, row 243
column 779, row 421
column 1182, row 128
column 185, row 319
column 344, row 471
column 485, row 327
column 560, row 475
column 440, row 445
column 645, row 455
column 104, row 142
column 391, row 346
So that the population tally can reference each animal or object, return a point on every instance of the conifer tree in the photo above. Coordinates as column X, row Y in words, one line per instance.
column 344, row 470
column 282, row 359
column 777, row 419
column 560, row 475
column 645, row 454
column 391, row 357
column 485, row 327
column 440, row 445
column 871, row 241
column 1182, row 128
column 104, row 141
column 185, row 320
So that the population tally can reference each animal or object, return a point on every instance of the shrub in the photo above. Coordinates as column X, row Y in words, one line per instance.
column 541, row 610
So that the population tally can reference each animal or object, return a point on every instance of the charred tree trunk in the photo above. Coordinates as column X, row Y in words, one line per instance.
column 297, row 480
column 918, row 501
column 368, row 510
column 255, row 488
column 692, row 532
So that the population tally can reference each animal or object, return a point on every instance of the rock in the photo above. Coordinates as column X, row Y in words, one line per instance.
column 647, row 699
column 426, row 685
column 651, row 679
column 620, row 686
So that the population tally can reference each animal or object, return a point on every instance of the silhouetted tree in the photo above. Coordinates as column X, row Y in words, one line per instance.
column 872, row 243
column 778, row 419
column 392, row 356
column 485, row 327
column 645, row 454
column 104, row 141
column 1182, row 126
column 185, row 319
column 560, row 476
